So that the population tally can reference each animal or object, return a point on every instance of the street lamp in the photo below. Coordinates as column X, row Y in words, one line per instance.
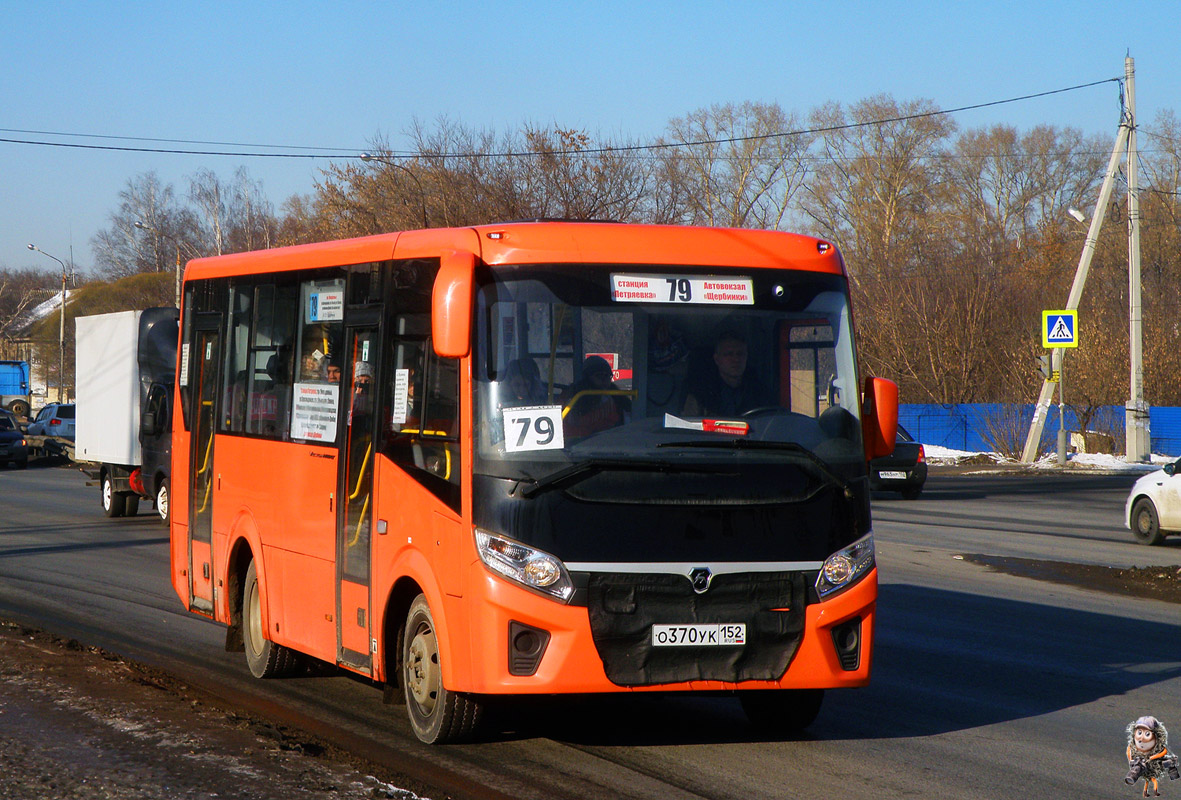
column 61, row 340
column 176, row 242
column 407, row 170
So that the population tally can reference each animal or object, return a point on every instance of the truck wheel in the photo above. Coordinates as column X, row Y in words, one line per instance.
column 265, row 658
column 437, row 715
column 20, row 408
column 162, row 507
column 114, row 503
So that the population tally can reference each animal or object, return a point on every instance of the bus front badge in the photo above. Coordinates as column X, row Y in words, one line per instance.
column 700, row 577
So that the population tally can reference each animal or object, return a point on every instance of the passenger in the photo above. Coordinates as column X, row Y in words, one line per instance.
column 728, row 390
column 362, row 383
column 521, row 384
column 596, row 410
column 333, row 371
column 312, row 366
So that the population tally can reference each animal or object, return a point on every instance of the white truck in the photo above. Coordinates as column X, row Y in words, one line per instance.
column 125, row 366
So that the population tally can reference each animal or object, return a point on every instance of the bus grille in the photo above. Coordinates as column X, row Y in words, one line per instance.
column 624, row 607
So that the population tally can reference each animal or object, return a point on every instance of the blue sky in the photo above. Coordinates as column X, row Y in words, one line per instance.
column 335, row 75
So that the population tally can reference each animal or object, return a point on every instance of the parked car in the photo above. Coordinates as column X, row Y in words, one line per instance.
column 14, row 448
column 905, row 470
column 1153, row 508
column 55, row 419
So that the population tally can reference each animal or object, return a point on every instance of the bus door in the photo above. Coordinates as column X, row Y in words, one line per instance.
column 355, row 490
column 205, row 359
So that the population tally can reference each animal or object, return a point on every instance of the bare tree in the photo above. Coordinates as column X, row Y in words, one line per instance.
column 125, row 248
column 20, row 292
column 235, row 215
column 873, row 188
column 741, row 165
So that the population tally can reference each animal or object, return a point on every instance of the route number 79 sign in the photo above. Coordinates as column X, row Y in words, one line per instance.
column 533, row 428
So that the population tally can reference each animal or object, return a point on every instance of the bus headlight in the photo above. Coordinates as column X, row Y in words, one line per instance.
column 533, row 569
column 845, row 567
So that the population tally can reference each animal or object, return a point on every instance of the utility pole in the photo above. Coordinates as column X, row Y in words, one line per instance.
column 1136, row 430
column 1136, row 410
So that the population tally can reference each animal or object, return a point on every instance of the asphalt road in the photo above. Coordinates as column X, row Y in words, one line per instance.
column 985, row 685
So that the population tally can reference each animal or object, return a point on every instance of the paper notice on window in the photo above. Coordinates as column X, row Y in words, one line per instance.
column 401, row 410
column 184, row 364
column 325, row 306
column 314, row 410
column 533, row 428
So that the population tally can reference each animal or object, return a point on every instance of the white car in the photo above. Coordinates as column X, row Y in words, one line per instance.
column 1153, row 509
column 56, row 419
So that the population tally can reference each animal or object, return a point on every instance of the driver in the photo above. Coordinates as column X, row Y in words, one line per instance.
column 728, row 390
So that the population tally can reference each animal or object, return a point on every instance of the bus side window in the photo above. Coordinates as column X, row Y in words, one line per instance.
column 422, row 418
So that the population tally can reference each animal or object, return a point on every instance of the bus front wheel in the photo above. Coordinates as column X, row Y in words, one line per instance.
column 437, row 715
column 780, row 711
column 265, row 658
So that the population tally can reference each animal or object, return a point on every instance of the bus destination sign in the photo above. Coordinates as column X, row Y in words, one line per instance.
column 682, row 289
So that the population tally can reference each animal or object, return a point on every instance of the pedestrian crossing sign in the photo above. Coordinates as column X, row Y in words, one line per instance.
column 1060, row 328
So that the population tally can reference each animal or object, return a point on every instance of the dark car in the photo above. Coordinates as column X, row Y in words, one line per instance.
column 905, row 470
column 14, row 448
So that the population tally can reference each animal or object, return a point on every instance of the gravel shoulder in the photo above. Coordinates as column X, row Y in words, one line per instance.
column 77, row 723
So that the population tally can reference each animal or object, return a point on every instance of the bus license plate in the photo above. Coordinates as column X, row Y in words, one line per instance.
column 891, row 475
column 732, row 634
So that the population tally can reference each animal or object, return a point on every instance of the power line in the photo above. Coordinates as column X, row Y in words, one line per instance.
column 336, row 152
column 115, row 148
column 168, row 141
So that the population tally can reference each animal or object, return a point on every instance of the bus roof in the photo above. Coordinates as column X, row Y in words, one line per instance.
column 546, row 242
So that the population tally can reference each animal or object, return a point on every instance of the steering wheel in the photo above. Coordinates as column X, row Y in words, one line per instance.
column 761, row 410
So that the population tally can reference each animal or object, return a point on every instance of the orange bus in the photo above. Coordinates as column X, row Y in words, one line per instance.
column 533, row 458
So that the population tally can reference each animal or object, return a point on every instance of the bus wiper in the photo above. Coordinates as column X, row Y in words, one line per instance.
column 591, row 466
column 816, row 461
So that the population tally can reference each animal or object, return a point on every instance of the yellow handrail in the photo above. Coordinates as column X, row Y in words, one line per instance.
column 360, row 522
column 205, row 468
column 361, row 472
column 629, row 393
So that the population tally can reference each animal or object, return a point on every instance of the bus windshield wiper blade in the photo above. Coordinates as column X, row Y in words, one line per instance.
column 794, row 448
column 591, row 466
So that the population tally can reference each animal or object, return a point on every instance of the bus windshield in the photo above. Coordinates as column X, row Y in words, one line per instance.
column 584, row 368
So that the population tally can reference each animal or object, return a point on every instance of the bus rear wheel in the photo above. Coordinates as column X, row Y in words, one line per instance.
column 780, row 711
column 437, row 715
column 265, row 658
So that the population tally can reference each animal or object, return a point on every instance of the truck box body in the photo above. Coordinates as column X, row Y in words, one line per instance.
column 108, row 389
column 120, row 358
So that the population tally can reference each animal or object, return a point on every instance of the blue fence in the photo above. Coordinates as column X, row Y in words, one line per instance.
column 978, row 427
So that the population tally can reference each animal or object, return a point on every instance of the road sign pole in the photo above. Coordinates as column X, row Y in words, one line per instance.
column 1062, row 415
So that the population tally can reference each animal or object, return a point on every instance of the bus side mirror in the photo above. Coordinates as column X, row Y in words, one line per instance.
column 451, row 304
column 147, row 424
column 879, row 417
